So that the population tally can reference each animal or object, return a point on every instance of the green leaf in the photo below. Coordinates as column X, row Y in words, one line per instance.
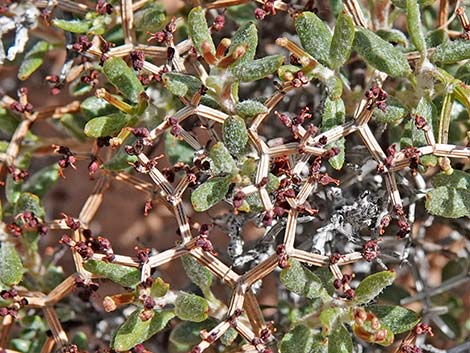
column 8, row 122
column 229, row 337
column 41, row 181
column 191, row 307
column 177, row 150
column 74, row 124
column 297, row 340
column 341, row 43
column 11, row 267
column 257, row 69
column 74, row 26
column 371, row 286
column 186, row 333
column 448, row 202
column 29, row 202
column 381, row 54
column 222, row 161
column 339, row 341
column 246, row 36
column 334, row 115
column 458, row 179
column 198, row 29
column 397, row 318
column 197, row 273
column 329, row 318
column 436, row 38
column 209, row 193
column 93, row 107
column 301, row 281
column 314, row 35
column 181, row 85
column 12, row 189
column 123, row 78
column 33, row 60
column 250, row 108
column 152, row 18
column 123, row 275
column 413, row 22
column 107, row 125
column 159, row 288
column 393, row 36
column 451, row 52
column 393, row 114
column 121, row 160
column 235, row 135
column 134, row 331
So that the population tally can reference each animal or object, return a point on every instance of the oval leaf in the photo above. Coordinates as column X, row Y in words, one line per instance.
column 448, row 202
column 196, row 272
column 198, row 30
column 123, row 275
column 297, row 340
column 181, row 85
column 452, row 52
column 108, row 125
column 249, row 108
column 257, row 69
column 301, row 281
column 11, row 267
column 33, row 60
column 397, row 318
column 371, row 286
column 209, row 193
column 123, row 78
column 191, row 307
column 246, row 36
column 339, row 341
column 222, row 161
column 314, row 35
column 381, row 54
column 74, row 26
column 334, row 115
column 134, row 331
column 341, row 43
column 235, row 134
column 413, row 22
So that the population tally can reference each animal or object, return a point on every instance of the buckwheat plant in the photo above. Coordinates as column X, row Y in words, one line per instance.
column 312, row 154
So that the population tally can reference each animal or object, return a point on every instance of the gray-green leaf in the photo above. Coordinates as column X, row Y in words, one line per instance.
column 257, row 69
column 134, row 331
column 191, row 307
column 381, row 54
column 33, row 60
column 249, row 108
column 314, row 35
column 74, row 26
column 397, row 318
column 198, row 29
column 452, row 52
column 209, row 193
column 297, row 340
column 371, row 286
column 181, row 85
column 11, row 267
column 339, row 341
column 301, row 281
column 235, row 135
column 108, row 125
column 123, row 78
column 197, row 273
column 448, row 202
column 246, row 36
column 334, row 115
column 222, row 161
column 341, row 43
column 123, row 275
column 413, row 22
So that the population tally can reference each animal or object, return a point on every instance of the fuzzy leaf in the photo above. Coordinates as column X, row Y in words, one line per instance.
column 29, row 202
column 341, row 43
column 235, row 135
column 339, row 341
column 33, row 60
column 197, row 273
column 314, row 35
column 134, row 331
column 123, row 78
column 177, row 150
column 209, row 193
column 11, row 267
column 413, row 22
column 159, row 288
column 458, row 179
column 74, row 26
column 334, row 115
column 186, row 333
column 257, row 69
column 93, row 107
column 249, row 108
column 394, row 112
column 393, row 36
column 222, row 161
column 123, row 275
column 8, row 122
column 107, row 125
column 191, row 307
column 371, row 286
column 448, row 202
column 42, row 180
column 181, row 85
column 151, row 18
column 198, row 29
column 451, row 52
column 12, row 189
column 301, row 280
column 381, row 54
column 246, row 36
column 329, row 318
column 397, row 318
column 297, row 340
